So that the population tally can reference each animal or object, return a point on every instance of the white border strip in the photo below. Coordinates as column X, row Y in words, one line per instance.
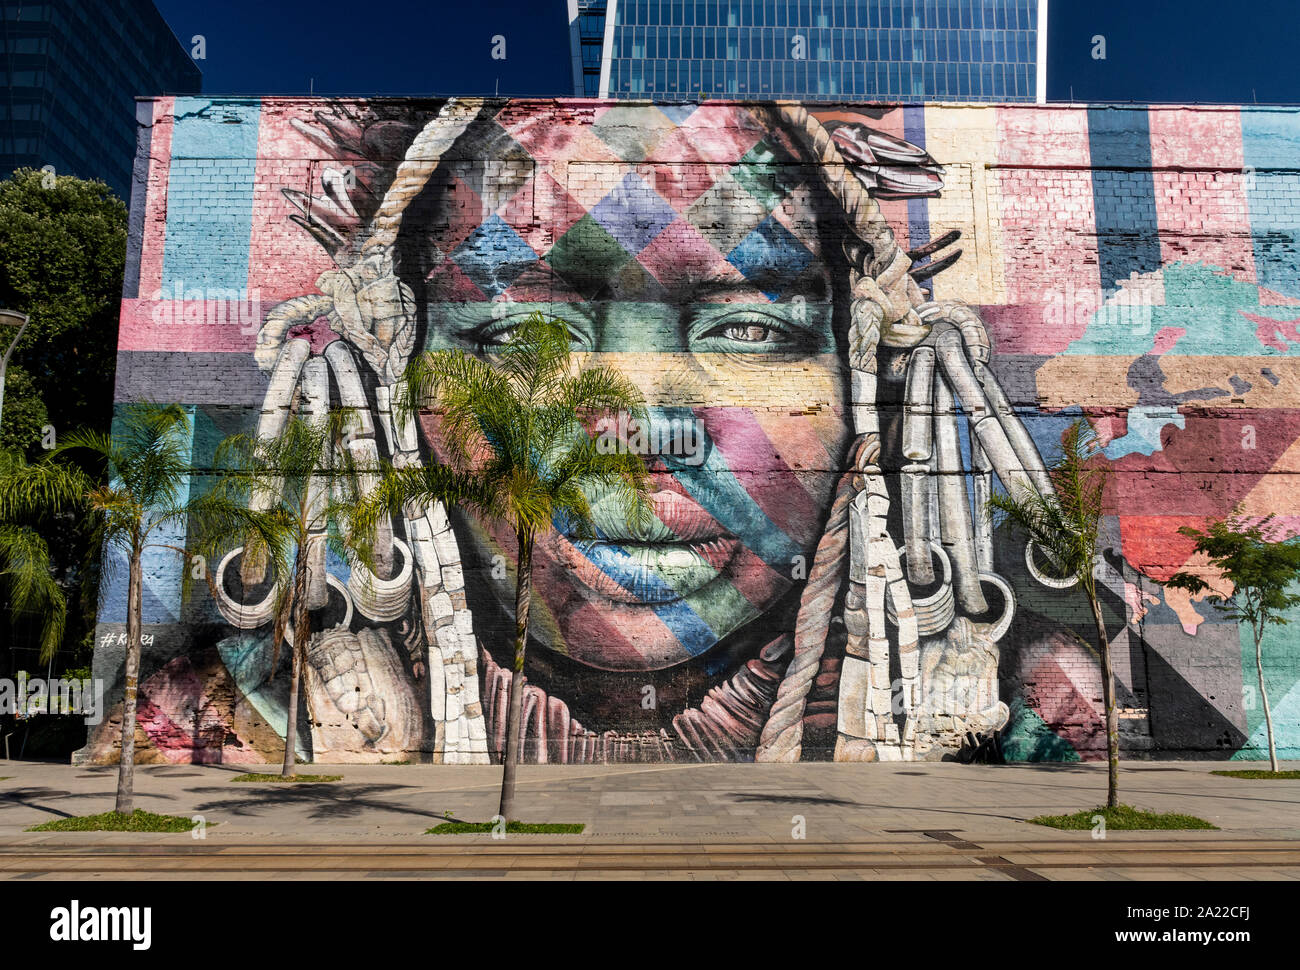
column 1041, row 82
column 575, row 49
column 606, row 55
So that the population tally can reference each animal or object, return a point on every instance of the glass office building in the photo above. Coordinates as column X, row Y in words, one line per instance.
column 73, row 70
column 586, row 43
column 872, row 50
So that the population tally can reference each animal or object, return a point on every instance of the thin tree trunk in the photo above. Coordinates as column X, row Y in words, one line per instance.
column 301, row 631
column 291, row 729
column 1263, row 695
column 134, row 620
column 1112, row 712
column 523, row 598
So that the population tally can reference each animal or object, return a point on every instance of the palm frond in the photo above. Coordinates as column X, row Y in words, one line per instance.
column 620, row 476
column 47, row 486
column 218, row 523
column 536, row 359
column 476, row 408
column 510, row 428
column 602, row 389
column 1062, row 524
column 26, row 566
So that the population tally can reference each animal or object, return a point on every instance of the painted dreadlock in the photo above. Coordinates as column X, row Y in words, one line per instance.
column 882, row 293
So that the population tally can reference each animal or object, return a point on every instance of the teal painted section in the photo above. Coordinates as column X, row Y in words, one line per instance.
column 1281, row 653
column 1217, row 314
column 1270, row 142
column 210, row 196
column 1028, row 738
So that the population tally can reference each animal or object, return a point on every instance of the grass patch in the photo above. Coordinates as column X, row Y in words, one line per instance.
column 281, row 780
column 137, row 821
column 394, row 762
column 1124, row 817
column 1257, row 773
column 516, row 828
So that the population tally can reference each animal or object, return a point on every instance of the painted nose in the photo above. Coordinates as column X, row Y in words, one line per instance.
column 670, row 439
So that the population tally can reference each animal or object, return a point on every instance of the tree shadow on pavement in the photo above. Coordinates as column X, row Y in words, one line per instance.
column 830, row 800
column 327, row 801
column 791, row 799
column 27, row 798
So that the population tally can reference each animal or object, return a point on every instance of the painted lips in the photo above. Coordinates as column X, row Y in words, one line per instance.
column 681, row 551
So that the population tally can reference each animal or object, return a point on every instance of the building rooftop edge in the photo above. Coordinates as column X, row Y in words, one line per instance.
column 572, row 99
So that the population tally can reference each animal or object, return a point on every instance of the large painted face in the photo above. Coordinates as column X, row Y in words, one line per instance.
column 713, row 286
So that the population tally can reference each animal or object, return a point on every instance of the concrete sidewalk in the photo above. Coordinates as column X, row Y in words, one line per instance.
column 894, row 820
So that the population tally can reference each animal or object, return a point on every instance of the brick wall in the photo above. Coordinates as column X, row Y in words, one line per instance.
column 1135, row 265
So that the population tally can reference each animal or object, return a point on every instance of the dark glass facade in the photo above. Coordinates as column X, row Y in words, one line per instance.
column 878, row 50
column 72, row 69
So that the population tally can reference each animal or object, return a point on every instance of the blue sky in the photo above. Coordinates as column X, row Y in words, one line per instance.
column 1175, row 50
column 1156, row 50
column 377, row 47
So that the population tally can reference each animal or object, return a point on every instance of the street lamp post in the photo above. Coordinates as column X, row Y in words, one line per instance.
column 9, row 318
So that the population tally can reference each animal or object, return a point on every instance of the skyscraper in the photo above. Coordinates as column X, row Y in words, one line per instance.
column 877, row 50
column 72, row 70
column 586, row 42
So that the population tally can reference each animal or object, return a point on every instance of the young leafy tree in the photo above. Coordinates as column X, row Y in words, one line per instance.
column 517, row 451
column 1261, row 573
column 143, row 470
column 62, row 254
column 287, row 498
column 1064, row 526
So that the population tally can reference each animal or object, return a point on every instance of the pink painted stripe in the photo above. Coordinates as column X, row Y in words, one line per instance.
column 284, row 260
column 758, row 466
column 583, row 618
column 761, row 584
column 1035, row 328
column 797, row 441
column 1044, row 189
column 1067, row 711
column 1204, row 216
column 155, row 206
column 188, row 325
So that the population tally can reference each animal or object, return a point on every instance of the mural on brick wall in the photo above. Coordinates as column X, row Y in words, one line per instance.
column 851, row 324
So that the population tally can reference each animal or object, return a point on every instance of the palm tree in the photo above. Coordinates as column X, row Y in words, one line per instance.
column 517, row 451
column 27, row 568
column 145, row 469
column 1064, row 526
column 286, row 498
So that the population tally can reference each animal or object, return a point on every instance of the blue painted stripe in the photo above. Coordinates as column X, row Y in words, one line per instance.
column 210, row 194
column 918, row 210
column 1271, row 140
column 714, row 485
column 1123, row 193
column 691, row 632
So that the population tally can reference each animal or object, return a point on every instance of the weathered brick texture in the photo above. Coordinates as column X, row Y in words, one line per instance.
column 772, row 282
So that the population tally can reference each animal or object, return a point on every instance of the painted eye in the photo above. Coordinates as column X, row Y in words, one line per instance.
column 499, row 337
column 499, row 334
column 750, row 333
column 747, row 332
